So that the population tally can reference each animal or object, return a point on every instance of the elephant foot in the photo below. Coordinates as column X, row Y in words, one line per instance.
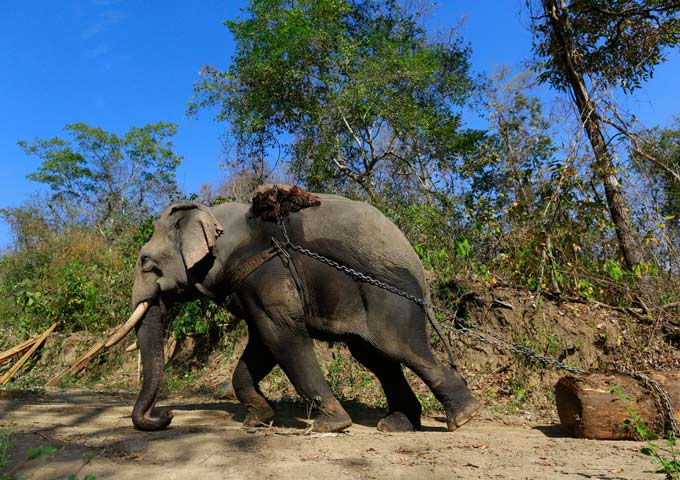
column 463, row 414
column 332, row 417
column 259, row 416
column 396, row 422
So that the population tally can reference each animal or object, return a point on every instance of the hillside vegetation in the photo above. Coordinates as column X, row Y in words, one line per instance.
column 562, row 214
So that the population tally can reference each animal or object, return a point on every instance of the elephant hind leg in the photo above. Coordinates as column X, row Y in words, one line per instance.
column 448, row 387
column 255, row 363
column 404, row 409
column 399, row 331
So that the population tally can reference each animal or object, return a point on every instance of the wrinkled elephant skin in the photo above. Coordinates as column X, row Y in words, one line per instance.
column 195, row 250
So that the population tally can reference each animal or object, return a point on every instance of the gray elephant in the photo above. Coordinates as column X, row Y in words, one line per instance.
column 289, row 299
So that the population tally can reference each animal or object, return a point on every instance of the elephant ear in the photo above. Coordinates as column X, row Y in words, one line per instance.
column 197, row 231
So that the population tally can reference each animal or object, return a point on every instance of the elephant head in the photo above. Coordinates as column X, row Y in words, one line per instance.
column 183, row 239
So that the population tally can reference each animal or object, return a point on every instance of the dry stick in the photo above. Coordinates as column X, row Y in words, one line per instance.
column 84, row 359
column 15, row 368
column 7, row 354
column 170, row 347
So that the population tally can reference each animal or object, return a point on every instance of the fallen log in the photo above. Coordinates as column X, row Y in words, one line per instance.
column 15, row 368
column 597, row 405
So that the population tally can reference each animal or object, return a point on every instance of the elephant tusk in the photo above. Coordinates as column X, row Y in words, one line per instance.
column 129, row 325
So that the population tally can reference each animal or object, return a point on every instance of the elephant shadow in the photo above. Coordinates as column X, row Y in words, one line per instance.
column 297, row 415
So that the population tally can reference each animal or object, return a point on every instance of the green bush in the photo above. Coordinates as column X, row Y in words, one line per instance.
column 78, row 279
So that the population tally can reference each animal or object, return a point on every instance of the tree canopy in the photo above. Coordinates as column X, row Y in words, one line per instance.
column 619, row 41
column 355, row 91
column 586, row 47
column 95, row 177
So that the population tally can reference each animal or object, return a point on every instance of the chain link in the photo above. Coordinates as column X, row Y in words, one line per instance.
column 459, row 327
column 503, row 344
column 662, row 400
column 465, row 328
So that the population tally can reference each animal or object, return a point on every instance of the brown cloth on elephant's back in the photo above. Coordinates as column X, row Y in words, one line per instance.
column 272, row 203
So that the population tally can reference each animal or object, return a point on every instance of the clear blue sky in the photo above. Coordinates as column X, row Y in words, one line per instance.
column 119, row 63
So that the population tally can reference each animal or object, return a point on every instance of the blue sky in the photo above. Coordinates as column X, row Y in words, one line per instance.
column 118, row 63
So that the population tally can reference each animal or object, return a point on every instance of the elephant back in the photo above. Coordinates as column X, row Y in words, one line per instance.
column 359, row 236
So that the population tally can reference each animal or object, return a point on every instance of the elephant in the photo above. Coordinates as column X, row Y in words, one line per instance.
column 287, row 299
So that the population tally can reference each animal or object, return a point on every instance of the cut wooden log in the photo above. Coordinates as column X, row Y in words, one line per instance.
column 15, row 368
column 17, row 349
column 597, row 405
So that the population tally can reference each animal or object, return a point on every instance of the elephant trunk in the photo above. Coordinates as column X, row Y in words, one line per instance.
column 150, row 342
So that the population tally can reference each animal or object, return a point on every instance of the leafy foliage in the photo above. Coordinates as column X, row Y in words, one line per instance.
column 99, row 178
column 660, row 161
column 587, row 47
column 365, row 99
column 75, row 251
column 76, row 278
column 617, row 41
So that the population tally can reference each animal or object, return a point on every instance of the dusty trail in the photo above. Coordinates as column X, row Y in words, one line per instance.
column 206, row 441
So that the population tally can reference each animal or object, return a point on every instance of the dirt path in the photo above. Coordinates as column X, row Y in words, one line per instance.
column 206, row 441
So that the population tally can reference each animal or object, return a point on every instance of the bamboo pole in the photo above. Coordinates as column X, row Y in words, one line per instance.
column 16, row 350
column 15, row 368
column 84, row 359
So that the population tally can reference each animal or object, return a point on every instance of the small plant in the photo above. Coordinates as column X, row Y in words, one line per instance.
column 32, row 454
column 311, row 405
column 5, row 442
column 427, row 401
column 87, row 458
column 665, row 454
column 519, row 398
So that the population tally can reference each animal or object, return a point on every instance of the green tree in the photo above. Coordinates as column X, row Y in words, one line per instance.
column 363, row 101
column 656, row 156
column 585, row 46
column 510, row 164
column 659, row 158
column 99, row 178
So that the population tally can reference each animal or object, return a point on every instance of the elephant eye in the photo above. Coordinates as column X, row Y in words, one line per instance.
column 146, row 263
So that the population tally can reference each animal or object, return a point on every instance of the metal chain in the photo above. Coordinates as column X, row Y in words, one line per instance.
column 355, row 274
column 462, row 327
column 503, row 344
column 662, row 400
column 459, row 327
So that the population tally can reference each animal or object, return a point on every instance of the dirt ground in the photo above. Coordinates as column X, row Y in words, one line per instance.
column 207, row 441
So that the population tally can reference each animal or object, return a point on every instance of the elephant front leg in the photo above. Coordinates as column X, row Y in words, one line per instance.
column 295, row 353
column 255, row 363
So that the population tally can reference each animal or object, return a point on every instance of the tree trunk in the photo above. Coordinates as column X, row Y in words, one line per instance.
column 618, row 210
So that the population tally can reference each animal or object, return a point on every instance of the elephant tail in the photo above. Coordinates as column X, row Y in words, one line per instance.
column 437, row 328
